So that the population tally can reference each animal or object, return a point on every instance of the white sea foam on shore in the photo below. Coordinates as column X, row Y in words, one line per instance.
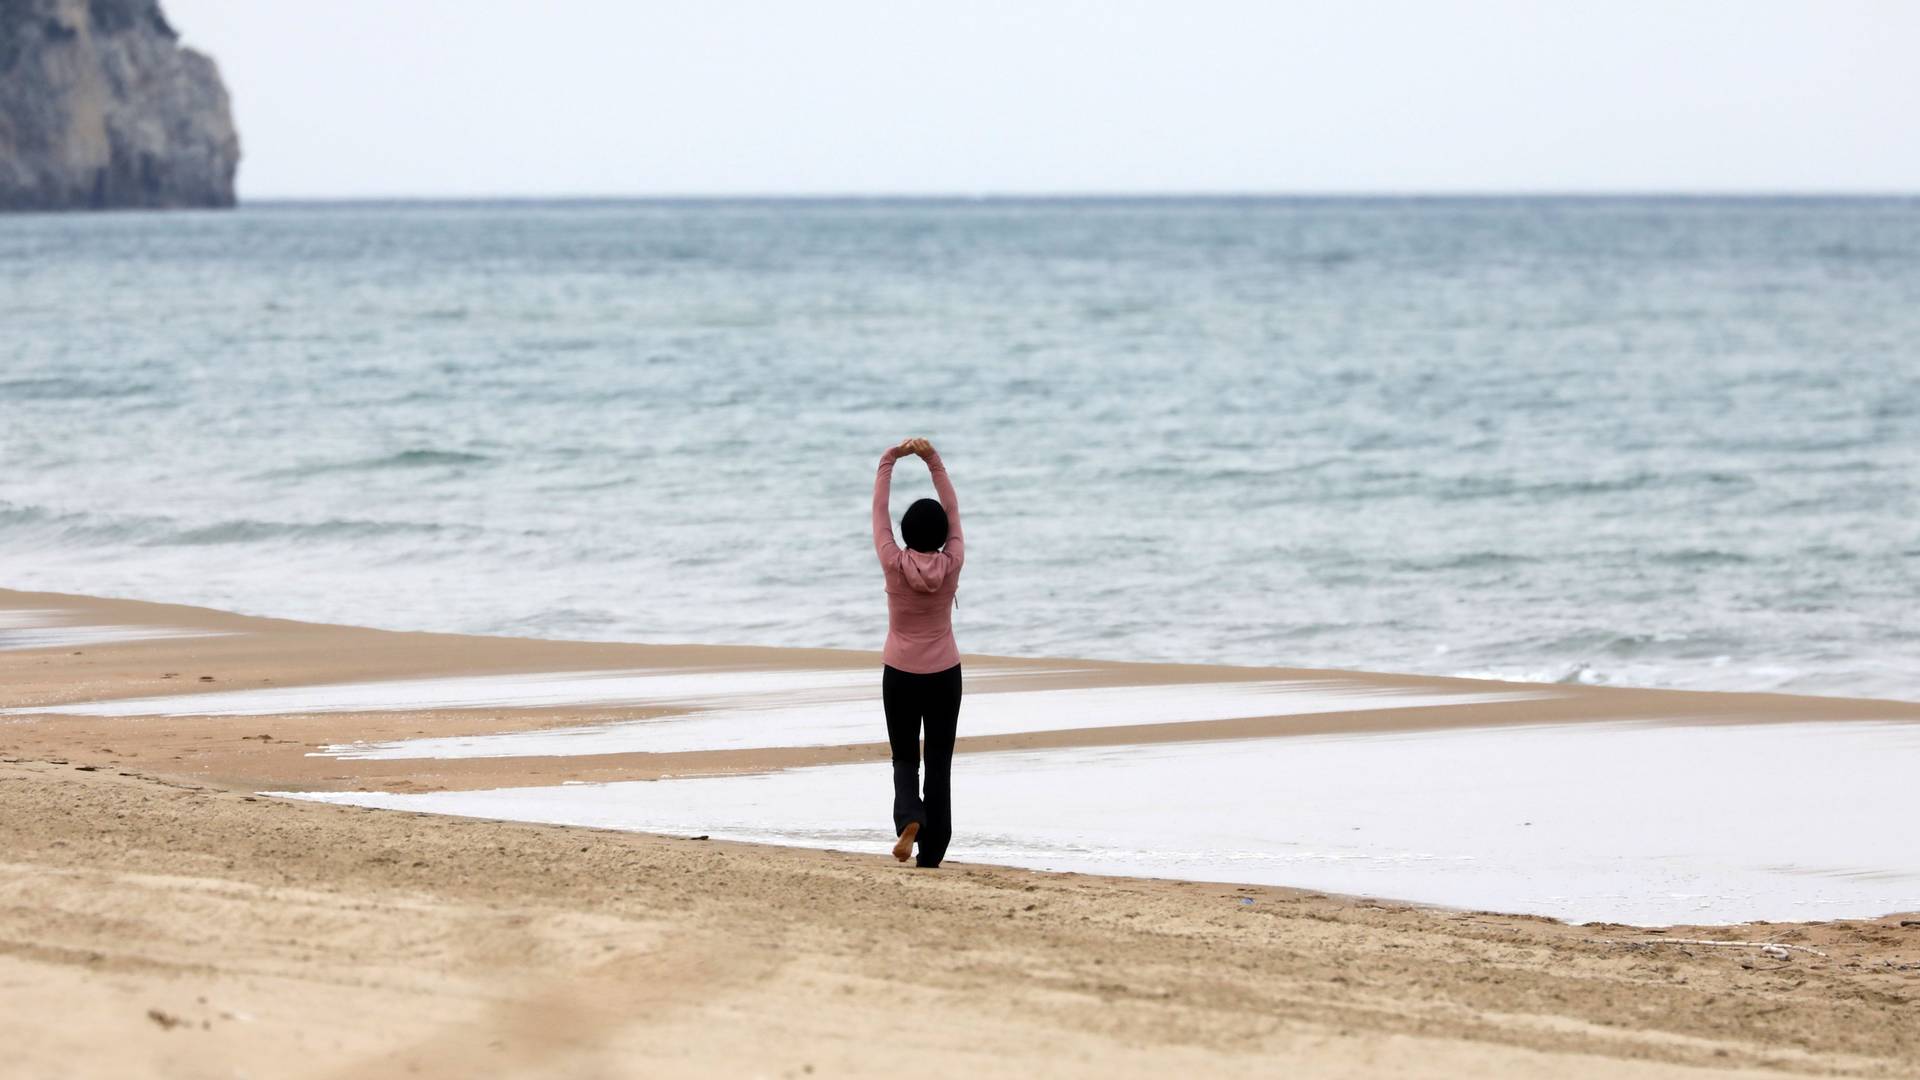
column 734, row 724
column 531, row 690
column 56, row 628
column 731, row 709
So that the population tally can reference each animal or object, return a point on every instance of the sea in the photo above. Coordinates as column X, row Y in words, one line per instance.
column 1642, row 441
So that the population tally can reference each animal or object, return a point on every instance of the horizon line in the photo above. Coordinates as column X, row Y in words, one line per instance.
column 1097, row 196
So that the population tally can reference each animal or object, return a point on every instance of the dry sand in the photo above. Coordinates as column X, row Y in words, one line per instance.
column 162, row 920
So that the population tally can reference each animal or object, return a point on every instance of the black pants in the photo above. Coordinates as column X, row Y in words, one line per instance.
column 911, row 699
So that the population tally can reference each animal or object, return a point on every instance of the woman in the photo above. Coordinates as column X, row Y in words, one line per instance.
column 921, row 680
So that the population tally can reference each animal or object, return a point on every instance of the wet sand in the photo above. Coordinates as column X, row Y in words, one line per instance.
column 1648, row 824
column 164, row 920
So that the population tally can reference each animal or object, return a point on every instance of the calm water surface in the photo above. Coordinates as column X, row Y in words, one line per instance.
column 1652, row 442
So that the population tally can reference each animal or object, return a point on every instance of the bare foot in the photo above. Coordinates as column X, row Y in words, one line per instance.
column 903, row 847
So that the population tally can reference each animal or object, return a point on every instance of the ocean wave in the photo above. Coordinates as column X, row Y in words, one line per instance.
column 419, row 459
column 585, row 486
column 1467, row 488
column 559, row 345
column 65, row 388
column 1472, row 560
column 1585, row 647
column 249, row 531
column 36, row 525
column 1573, row 675
column 1112, row 311
column 1701, row 557
column 1846, row 252
column 1475, row 487
column 405, row 459
column 1818, row 467
column 1581, row 675
column 1789, row 444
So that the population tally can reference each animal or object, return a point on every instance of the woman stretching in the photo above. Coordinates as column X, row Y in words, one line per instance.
column 921, row 680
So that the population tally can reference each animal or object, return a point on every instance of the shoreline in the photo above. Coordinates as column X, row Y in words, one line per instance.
column 146, row 877
column 271, row 750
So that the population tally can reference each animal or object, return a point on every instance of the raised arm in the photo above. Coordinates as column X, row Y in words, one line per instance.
column 883, row 544
column 942, row 486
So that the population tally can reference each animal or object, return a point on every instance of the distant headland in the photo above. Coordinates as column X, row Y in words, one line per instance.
column 102, row 108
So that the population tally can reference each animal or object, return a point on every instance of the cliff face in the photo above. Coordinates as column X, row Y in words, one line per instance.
column 101, row 107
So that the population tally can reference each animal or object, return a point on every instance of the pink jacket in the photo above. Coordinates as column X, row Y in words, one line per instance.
column 920, row 584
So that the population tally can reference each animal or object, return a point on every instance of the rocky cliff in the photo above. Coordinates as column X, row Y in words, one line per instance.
column 101, row 107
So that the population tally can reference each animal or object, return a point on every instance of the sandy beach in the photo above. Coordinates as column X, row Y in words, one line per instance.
column 163, row 918
column 1390, row 533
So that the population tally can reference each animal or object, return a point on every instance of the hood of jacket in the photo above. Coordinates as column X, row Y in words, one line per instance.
column 923, row 571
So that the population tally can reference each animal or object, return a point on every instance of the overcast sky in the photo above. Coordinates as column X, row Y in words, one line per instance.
column 641, row 97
